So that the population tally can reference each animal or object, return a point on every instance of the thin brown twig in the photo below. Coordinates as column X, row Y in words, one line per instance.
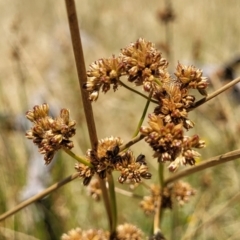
column 214, row 94
column 81, row 69
column 229, row 156
column 82, row 77
column 38, row 196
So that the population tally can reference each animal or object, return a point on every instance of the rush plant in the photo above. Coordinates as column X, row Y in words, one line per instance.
column 173, row 96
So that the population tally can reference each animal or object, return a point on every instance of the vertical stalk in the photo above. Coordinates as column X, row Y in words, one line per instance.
column 113, row 202
column 143, row 115
column 158, row 213
column 82, row 77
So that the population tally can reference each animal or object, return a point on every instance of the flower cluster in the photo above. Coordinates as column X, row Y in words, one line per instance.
column 108, row 157
column 123, row 232
column 170, row 144
column 50, row 134
column 102, row 74
column 179, row 191
column 129, row 232
column 144, row 65
column 140, row 61
column 79, row 234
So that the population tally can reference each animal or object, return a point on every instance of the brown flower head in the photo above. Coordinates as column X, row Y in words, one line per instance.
column 191, row 77
column 85, row 172
column 79, row 234
column 149, row 203
column 179, row 191
column 94, row 189
column 102, row 74
column 132, row 171
column 169, row 143
column 129, row 232
column 174, row 102
column 50, row 134
column 108, row 157
column 143, row 64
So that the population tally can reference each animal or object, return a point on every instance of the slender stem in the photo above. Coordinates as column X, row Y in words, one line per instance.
column 161, row 174
column 214, row 94
column 113, row 202
column 38, row 196
column 132, row 142
column 127, row 193
column 158, row 212
column 143, row 115
column 81, row 70
column 79, row 159
column 82, row 77
column 135, row 91
column 229, row 156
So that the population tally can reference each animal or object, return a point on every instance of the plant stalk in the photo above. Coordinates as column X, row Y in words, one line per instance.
column 143, row 115
column 76, row 157
column 214, row 94
column 227, row 157
column 82, row 77
column 41, row 195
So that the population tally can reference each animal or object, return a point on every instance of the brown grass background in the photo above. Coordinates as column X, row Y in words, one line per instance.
column 37, row 66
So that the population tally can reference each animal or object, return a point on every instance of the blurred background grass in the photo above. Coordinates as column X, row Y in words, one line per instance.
column 37, row 66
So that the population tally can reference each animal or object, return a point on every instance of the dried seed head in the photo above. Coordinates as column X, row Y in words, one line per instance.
column 102, row 74
column 79, row 234
column 94, row 189
column 50, row 134
column 169, row 143
column 143, row 63
column 149, row 203
column 129, row 232
column 191, row 77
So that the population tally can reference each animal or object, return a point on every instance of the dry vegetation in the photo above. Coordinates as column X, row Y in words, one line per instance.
column 37, row 66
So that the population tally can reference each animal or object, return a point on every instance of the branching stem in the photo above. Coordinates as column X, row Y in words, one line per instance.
column 214, row 94
column 229, row 156
column 39, row 196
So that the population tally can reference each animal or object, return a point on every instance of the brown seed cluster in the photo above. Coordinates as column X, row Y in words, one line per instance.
column 107, row 158
column 79, row 234
column 94, row 189
column 140, row 61
column 170, row 144
column 144, row 65
column 129, row 232
column 179, row 191
column 50, row 134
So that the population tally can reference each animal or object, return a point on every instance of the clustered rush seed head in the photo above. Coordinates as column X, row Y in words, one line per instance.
column 79, row 234
column 128, row 231
column 191, row 77
column 169, row 143
column 102, row 74
column 108, row 158
column 50, row 134
column 94, row 189
column 143, row 64
column 179, row 191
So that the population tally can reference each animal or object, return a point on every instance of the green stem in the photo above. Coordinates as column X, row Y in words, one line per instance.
column 161, row 174
column 135, row 91
column 113, row 203
column 143, row 115
column 79, row 159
